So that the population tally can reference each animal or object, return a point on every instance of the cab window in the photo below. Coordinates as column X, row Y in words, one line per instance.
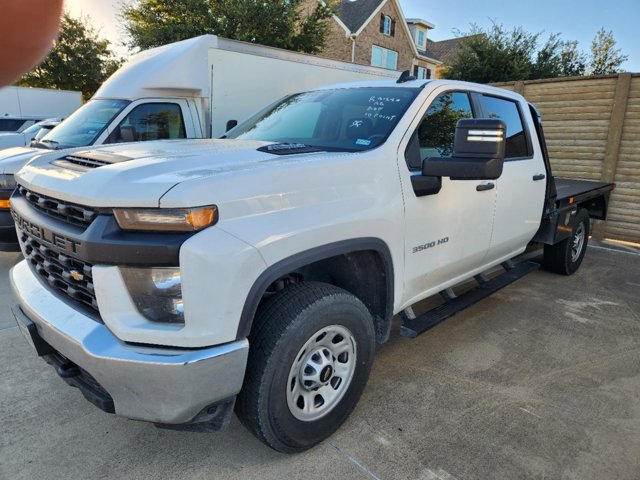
column 151, row 121
column 437, row 130
column 517, row 145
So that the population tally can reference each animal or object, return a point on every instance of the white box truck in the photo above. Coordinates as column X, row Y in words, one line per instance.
column 38, row 102
column 187, row 89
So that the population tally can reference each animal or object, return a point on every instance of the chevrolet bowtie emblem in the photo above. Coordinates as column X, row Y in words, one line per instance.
column 77, row 276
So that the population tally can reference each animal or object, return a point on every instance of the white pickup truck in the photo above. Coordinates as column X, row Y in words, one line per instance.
column 172, row 280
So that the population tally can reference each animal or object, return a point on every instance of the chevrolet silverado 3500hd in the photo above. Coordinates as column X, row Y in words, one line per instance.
column 172, row 280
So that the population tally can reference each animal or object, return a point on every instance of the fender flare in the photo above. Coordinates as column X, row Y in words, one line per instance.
column 301, row 259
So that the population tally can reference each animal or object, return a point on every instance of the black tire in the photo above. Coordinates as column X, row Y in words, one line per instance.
column 562, row 258
column 283, row 326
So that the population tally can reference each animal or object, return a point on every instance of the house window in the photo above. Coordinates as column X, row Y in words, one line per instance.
column 387, row 25
column 421, row 73
column 420, row 38
column 382, row 57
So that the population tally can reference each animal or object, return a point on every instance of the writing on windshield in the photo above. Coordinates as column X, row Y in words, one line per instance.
column 348, row 119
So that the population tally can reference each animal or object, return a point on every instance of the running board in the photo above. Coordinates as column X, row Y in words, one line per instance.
column 412, row 327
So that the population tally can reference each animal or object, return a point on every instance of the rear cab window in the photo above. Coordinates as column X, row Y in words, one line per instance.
column 518, row 144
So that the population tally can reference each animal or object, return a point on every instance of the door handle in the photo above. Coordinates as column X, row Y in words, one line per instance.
column 485, row 186
column 539, row 176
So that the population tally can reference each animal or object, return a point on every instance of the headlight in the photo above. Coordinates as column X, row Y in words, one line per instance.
column 7, row 182
column 156, row 292
column 166, row 219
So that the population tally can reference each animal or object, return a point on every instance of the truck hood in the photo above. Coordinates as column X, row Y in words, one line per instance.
column 139, row 174
column 13, row 159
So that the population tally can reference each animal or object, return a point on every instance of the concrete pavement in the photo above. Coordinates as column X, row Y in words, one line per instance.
column 541, row 380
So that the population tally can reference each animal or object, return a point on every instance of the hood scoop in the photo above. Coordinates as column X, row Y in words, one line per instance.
column 288, row 148
column 84, row 161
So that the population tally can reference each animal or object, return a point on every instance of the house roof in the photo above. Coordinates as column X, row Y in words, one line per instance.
column 355, row 13
column 421, row 21
column 445, row 50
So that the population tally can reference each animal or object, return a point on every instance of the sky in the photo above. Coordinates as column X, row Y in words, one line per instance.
column 574, row 19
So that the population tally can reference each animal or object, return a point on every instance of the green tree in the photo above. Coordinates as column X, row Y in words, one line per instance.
column 497, row 55
column 80, row 60
column 573, row 62
column 605, row 58
column 278, row 23
column 558, row 58
column 494, row 55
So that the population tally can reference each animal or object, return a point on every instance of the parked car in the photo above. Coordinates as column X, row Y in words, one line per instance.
column 172, row 280
column 27, row 136
column 43, row 130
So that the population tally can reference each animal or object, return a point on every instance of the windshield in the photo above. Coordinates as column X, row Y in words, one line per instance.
column 351, row 120
column 83, row 127
column 32, row 130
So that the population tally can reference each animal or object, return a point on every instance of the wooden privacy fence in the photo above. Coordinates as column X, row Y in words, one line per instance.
column 592, row 127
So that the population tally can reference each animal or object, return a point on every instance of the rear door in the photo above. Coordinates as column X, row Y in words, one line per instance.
column 448, row 233
column 521, row 187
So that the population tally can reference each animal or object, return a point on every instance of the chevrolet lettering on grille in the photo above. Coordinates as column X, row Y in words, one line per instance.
column 47, row 236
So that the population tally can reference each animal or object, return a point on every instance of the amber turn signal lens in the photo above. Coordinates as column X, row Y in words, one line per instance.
column 201, row 218
column 5, row 204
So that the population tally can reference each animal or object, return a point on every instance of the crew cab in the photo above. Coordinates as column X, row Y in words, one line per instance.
column 173, row 280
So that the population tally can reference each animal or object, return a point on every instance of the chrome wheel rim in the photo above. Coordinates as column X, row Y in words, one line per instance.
column 578, row 242
column 321, row 373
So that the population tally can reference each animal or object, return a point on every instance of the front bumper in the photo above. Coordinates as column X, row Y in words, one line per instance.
column 161, row 385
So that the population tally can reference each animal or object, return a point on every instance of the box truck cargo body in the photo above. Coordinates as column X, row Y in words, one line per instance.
column 20, row 105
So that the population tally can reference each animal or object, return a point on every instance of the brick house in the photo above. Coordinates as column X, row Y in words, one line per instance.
column 376, row 32
column 445, row 50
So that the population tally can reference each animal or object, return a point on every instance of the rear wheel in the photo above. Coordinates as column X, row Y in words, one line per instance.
column 565, row 257
column 309, row 361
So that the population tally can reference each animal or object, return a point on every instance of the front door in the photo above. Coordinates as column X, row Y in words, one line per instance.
column 447, row 234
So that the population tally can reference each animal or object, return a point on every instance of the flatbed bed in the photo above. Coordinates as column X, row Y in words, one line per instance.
column 580, row 190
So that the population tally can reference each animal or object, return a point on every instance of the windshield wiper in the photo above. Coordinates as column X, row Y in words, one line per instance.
column 46, row 143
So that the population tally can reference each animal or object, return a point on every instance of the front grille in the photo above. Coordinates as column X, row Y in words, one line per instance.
column 69, row 212
column 68, row 275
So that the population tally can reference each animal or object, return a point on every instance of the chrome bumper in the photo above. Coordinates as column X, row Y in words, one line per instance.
column 160, row 385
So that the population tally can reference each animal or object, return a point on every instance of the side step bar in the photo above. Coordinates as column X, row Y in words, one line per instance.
column 412, row 327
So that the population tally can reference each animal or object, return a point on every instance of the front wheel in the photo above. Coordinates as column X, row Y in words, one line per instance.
column 309, row 361
column 565, row 257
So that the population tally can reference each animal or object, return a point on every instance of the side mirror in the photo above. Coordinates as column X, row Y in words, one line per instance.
column 231, row 124
column 478, row 152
